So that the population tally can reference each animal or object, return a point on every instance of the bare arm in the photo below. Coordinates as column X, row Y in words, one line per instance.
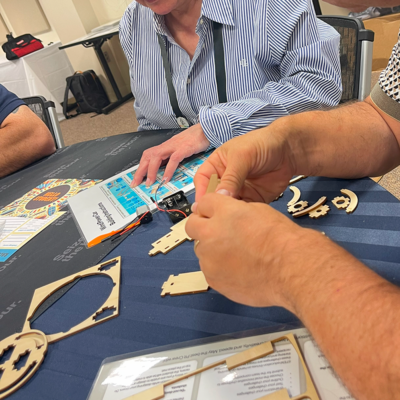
column 24, row 138
column 348, row 142
column 353, row 314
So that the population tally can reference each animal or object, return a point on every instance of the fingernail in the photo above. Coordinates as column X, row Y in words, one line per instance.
column 165, row 179
column 148, row 183
column 224, row 192
column 194, row 207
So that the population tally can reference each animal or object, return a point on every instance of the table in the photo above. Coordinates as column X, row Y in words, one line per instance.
column 42, row 73
column 96, row 39
column 146, row 320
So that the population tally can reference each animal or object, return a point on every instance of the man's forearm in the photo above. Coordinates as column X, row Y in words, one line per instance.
column 353, row 314
column 348, row 142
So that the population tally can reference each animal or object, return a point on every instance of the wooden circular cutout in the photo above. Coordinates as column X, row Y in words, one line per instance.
column 33, row 346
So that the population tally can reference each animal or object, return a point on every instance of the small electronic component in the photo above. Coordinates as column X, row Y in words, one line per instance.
column 144, row 215
column 177, row 206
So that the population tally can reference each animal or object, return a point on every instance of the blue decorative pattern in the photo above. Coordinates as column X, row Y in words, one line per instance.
column 280, row 59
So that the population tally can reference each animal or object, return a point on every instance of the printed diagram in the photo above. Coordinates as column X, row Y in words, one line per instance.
column 46, row 199
column 120, row 190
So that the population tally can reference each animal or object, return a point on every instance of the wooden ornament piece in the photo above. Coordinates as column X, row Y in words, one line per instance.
column 306, row 211
column 33, row 345
column 319, row 212
column 341, row 202
column 296, row 196
column 111, row 268
column 297, row 179
column 237, row 360
column 193, row 282
column 171, row 240
column 353, row 200
column 212, row 185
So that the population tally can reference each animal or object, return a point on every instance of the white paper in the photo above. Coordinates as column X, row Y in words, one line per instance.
column 253, row 380
column 112, row 204
column 327, row 384
column 140, row 376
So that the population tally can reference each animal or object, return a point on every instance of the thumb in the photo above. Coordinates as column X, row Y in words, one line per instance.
column 233, row 178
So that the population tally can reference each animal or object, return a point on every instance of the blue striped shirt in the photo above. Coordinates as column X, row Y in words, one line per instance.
column 279, row 60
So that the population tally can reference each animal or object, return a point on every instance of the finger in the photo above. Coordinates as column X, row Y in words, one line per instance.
column 202, row 178
column 196, row 227
column 140, row 172
column 152, row 170
column 172, row 165
column 234, row 177
column 210, row 204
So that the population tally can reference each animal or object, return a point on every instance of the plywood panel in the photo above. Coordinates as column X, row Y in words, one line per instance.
column 3, row 30
column 25, row 16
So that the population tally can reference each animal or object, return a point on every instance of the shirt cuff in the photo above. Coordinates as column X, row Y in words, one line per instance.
column 384, row 102
column 215, row 125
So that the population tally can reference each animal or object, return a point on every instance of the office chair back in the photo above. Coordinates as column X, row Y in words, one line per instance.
column 356, row 45
column 46, row 111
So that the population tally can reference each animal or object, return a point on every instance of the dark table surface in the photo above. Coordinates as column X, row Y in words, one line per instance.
column 146, row 320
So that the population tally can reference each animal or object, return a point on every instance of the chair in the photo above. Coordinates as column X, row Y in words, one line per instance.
column 46, row 111
column 356, row 46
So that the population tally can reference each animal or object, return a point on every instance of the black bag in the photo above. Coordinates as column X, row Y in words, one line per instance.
column 88, row 92
column 21, row 46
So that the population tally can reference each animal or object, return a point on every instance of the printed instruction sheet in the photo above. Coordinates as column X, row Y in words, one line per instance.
column 112, row 204
column 15, row 232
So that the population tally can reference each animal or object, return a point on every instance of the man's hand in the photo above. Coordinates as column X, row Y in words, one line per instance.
column 255, row 167
column 181, row 146
column 248, row 251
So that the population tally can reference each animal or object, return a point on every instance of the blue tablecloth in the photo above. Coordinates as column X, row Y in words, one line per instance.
column 146, row 320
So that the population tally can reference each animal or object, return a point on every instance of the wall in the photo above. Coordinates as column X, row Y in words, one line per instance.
column 329, row 9
column 109, row 10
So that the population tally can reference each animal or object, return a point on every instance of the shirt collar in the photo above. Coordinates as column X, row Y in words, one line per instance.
column 222, row 12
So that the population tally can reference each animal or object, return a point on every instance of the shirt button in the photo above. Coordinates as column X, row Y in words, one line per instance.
column 188, row 81
column 201, row 21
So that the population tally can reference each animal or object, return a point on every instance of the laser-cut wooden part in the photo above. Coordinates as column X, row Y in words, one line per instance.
column 297, row 179
column 296, row 195
column 299, row 206
column 234, row 361
column 212, row 185
column 192, row 282
column 310, row 393
column 33, row 345
column 319, row 212
column 341, row 202
column 111, row 268
column 306, row 211
column 353, row 200
column 171, row 240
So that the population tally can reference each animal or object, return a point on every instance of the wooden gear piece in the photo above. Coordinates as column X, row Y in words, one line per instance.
column 296, row 196
column 171, row 240
column 33, row 345
column 237, row 360
column 353, row 200
column 193, row 282
column 306, row 211
column 213, row 183
column 111, row 268
column 299, row 206
column 319, row 212
column 341, row 202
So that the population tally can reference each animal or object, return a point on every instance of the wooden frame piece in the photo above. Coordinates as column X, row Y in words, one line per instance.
column 112, row 303
column 171, row 240
column 296, row 196
column 212, row 185
column 297, row 207
column 32, row 344
column 297, row 179
column 237, row 360
column 353, row 200
column 319, row 212
column 192, row 282
column 306, row 211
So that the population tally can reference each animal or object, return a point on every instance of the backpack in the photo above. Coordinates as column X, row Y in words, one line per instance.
column 88, row 92
column 21, row 46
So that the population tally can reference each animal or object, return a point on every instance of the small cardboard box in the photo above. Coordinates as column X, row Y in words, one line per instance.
column 386, row 30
